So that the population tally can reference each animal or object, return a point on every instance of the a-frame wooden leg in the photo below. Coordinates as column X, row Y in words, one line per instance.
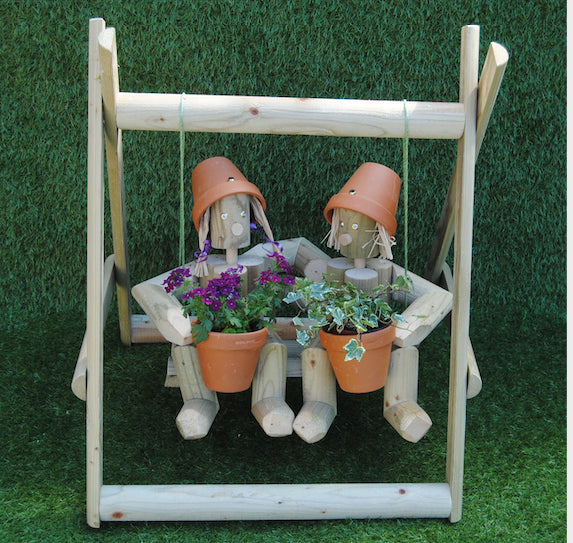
column 94, row 407
column 488, row 88
column 464, row 191
column 114, row 156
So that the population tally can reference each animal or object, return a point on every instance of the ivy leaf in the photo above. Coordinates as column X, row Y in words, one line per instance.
column 337, row 315
column 292, row 297
column 297, row 321
column 302, row 337
column 354, row 351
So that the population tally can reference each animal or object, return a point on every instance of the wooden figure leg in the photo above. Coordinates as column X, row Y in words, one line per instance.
column 401, row 394
column 268, row 403
column 201, row 404
column 319, row 396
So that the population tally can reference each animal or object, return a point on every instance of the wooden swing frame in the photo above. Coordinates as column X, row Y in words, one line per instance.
column 111, row 111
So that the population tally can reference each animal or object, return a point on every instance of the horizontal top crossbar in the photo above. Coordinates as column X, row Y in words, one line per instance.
column 280, row 115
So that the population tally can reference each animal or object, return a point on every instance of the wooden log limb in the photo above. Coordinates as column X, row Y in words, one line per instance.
column 186, row 360
column 268, row 403
column 421, row 317
column 318, row 394
column 400, row 396
column 196, row 418
column 313, row 421
column 274, row 416
column 263, row 250
column 409, row 420
column 201, row 404
column 165, row 311
column 274, row 502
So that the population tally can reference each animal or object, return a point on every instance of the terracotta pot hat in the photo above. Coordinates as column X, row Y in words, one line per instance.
column 214, row 179
column 373, row 190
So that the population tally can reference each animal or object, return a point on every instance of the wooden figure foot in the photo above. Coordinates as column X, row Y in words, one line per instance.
column 409, row 420
column 319, row 396
column 400, row 396
column 201, row 404
column 196, row 417
column 313, row 421
column 268, row 403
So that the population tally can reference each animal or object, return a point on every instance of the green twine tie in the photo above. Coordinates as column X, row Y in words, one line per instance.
column 405, row 176
column 181, row 186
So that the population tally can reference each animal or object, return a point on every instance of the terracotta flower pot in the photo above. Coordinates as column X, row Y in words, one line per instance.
column 214, row 179
column 228, row 361
column 373, row 190
column 370, row 373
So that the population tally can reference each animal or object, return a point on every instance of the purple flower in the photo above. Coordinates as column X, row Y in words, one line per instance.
column 176, row 279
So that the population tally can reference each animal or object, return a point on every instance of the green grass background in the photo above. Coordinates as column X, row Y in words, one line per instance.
column 515, row 456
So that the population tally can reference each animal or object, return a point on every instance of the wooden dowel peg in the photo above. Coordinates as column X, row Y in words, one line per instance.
column 384, row 268
column 254, row 265
column 316, row 269
column 364, row 279
column 336, row 268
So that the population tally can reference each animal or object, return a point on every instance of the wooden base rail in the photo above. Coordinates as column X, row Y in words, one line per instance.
column 275, row 501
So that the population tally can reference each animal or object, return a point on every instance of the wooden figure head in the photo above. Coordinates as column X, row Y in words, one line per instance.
column 363, row 214
column 223, row 204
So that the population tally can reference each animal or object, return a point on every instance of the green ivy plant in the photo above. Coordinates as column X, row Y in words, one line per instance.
column 337, row 306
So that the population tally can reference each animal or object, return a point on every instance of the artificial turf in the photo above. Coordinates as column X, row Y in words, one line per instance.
column 515, row 448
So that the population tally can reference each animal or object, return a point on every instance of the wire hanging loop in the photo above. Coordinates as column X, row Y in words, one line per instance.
column 405, row 176
column 181, row 185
